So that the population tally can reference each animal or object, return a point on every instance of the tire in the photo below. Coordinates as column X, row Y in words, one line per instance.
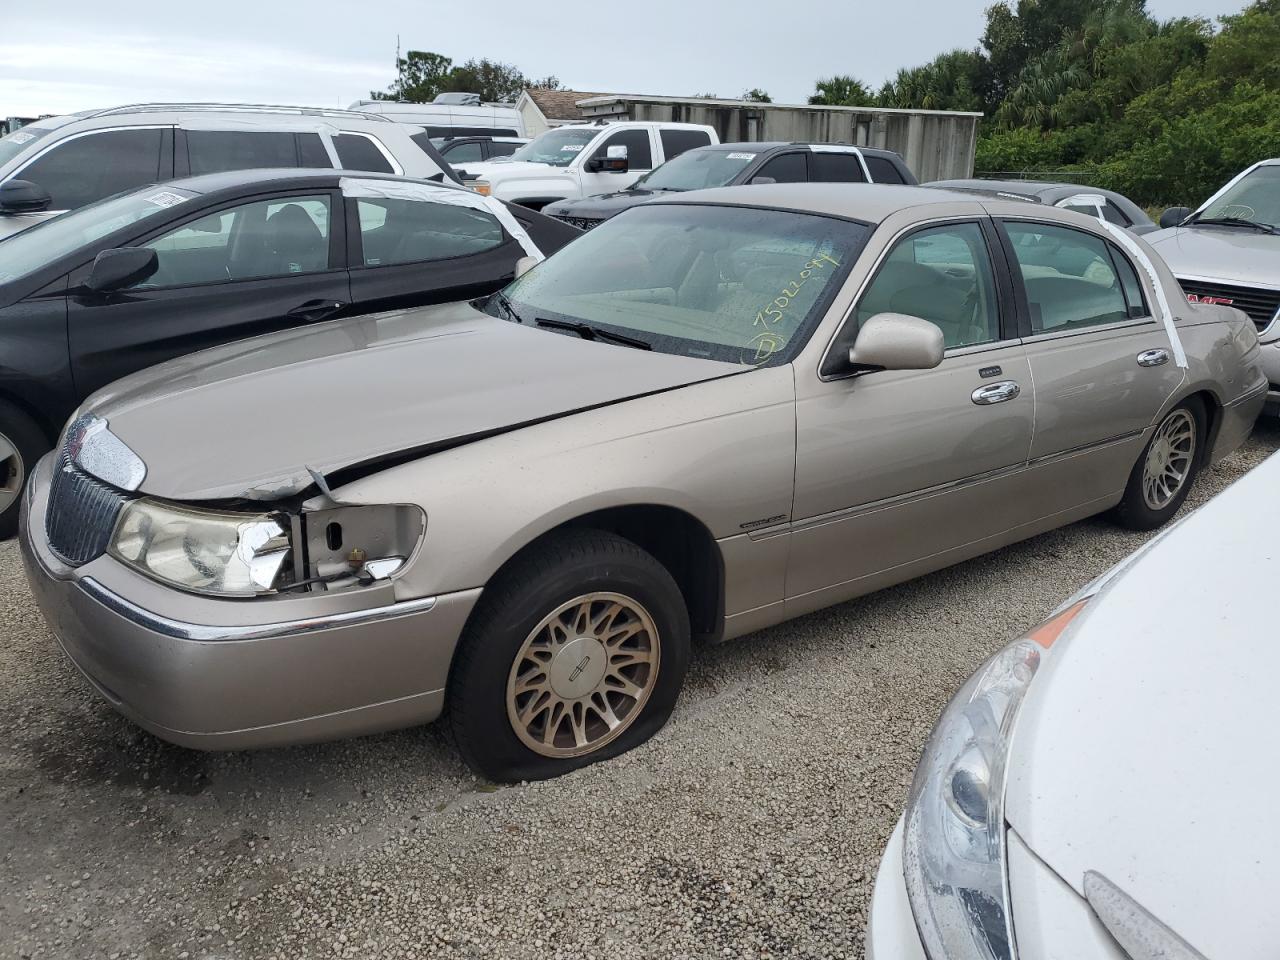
column 1148, row 504
column 22, row 443
column 536, row 613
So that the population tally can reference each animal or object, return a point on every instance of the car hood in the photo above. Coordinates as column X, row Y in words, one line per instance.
column 254, row 418
column 602, row 207
column 1145, row 749
column 1228, row 254
column 511, row 170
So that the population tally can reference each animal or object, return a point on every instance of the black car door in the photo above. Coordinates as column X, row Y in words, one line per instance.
column 249, row 267
column 406, row 251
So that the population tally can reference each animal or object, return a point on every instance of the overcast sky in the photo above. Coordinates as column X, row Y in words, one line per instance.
column 80, row 54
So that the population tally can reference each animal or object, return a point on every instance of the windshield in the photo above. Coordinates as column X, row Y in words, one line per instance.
column 738, row 284
column 48, row 241
column 696, row 169
column 1255, row 197
column 556, row 147
column 18, row 141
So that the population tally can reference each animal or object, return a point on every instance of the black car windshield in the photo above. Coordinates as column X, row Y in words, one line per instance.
column 696, row 170
column 556, row 147
column 739, row 284
column 46, row 242
column 1255, row 196
column 19, row 141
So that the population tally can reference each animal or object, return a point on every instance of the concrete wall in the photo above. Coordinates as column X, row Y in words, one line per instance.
column 936, row 145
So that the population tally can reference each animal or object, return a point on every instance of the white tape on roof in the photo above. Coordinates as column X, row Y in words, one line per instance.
column 1126, row 240
column 436, row 193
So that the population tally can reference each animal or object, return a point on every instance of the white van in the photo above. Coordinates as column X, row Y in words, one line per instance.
column 451, row 115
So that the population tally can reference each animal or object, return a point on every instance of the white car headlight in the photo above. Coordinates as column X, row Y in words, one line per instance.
column 206, row 551
column 954, row 841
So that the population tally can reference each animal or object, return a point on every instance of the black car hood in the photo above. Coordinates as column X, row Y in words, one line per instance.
column 253, row 419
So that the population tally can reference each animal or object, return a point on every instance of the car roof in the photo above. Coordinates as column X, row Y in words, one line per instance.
column 870, row 202
column 321, row 177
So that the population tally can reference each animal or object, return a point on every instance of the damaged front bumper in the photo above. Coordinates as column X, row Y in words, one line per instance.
column 223, row 674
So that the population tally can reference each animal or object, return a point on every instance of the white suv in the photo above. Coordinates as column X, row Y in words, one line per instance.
column 583, row 160
column 83, row 157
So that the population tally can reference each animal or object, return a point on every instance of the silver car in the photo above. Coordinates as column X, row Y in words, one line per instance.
column 707, row 416
column 1228, row 253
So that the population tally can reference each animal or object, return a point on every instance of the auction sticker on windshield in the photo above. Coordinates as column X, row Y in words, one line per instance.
column 741, row 156
column 165, row 199
column 571, row 148
column 20, row 137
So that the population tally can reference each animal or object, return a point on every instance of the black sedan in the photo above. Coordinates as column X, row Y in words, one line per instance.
column 138, row 278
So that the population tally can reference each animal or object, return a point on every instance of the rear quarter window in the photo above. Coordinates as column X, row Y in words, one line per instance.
column 358, row 152
column 883, row 170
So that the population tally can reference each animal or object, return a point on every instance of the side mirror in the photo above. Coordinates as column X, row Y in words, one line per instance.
column 614, row 161
column 122, row 267
column 1174, row 216
column 896, row 341
column 23, row 196
column 524, row 265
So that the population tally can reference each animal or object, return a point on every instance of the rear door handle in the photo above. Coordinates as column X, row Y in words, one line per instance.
column 1153, row 358
column 996, row 393
column 315, row 310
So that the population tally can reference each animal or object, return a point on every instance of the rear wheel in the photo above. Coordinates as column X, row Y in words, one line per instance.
column 22, row 443
column 577, row 653
column 1163, row 475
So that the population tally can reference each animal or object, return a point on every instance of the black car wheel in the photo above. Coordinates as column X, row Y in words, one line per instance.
column 22, row 443
column 575, row 654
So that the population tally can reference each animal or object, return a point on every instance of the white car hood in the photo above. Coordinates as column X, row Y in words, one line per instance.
column 1146, row 749
column 512, row 170
column 1224, row 254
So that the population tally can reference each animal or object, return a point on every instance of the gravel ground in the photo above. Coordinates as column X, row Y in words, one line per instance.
column 750, row 827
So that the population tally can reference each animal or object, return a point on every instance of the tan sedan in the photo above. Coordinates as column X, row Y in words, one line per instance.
column 706, row 416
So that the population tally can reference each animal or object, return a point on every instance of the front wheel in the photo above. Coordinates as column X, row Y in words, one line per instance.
column 575, row 654
column 1163, row 475
column 22, row 443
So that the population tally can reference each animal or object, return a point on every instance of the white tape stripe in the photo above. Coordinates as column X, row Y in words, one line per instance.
column 1162, row 302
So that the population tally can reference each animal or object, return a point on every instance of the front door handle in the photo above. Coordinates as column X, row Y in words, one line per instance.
column 1153, row 358
column 996, row 393
column 315, row 310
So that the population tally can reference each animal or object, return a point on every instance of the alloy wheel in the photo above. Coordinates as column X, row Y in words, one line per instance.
column 12, row 472
column 583, row 675
column 1169, row 459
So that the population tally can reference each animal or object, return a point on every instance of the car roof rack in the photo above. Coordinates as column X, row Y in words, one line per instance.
column 234, row 108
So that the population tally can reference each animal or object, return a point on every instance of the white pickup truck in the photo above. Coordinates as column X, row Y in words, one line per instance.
column 583, row 160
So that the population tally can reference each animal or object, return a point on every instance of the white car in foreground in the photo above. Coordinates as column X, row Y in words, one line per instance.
column 1106, row 787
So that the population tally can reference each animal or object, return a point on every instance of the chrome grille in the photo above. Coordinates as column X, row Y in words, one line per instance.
column 1260, row 305
column 81, row 514
column 582, row 223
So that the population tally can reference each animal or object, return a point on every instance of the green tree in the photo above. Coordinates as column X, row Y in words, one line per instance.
column 842, row 91
column 420, row 75
column 495, row 82
column 958, row 80
column 756, row 95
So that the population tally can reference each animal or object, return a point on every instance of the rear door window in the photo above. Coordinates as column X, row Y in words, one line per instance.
column 216, row 151
column 788, row 168
column 472, row 152
column 311, row 152
column 835, row 168
column 411, row 231
column 676, row 142
column 499, row 149
column 358, row 152
column 1070, row 278
column 883, row 170
column 87, row 168
column 1113, row 214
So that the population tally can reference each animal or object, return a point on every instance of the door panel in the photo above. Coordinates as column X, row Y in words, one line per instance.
column 1089, row 323
column 881, row 457
column 115, row 334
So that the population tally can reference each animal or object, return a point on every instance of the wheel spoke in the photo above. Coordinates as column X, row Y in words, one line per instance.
column 601, row 707
column 628, row 657
column 578, row 723
column 558, row 713
column 617, row 683
column 534, row 707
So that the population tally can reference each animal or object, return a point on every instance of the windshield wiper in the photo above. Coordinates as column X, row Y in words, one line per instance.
column 588, row 332
column 506, row 306
column 1235, row 222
